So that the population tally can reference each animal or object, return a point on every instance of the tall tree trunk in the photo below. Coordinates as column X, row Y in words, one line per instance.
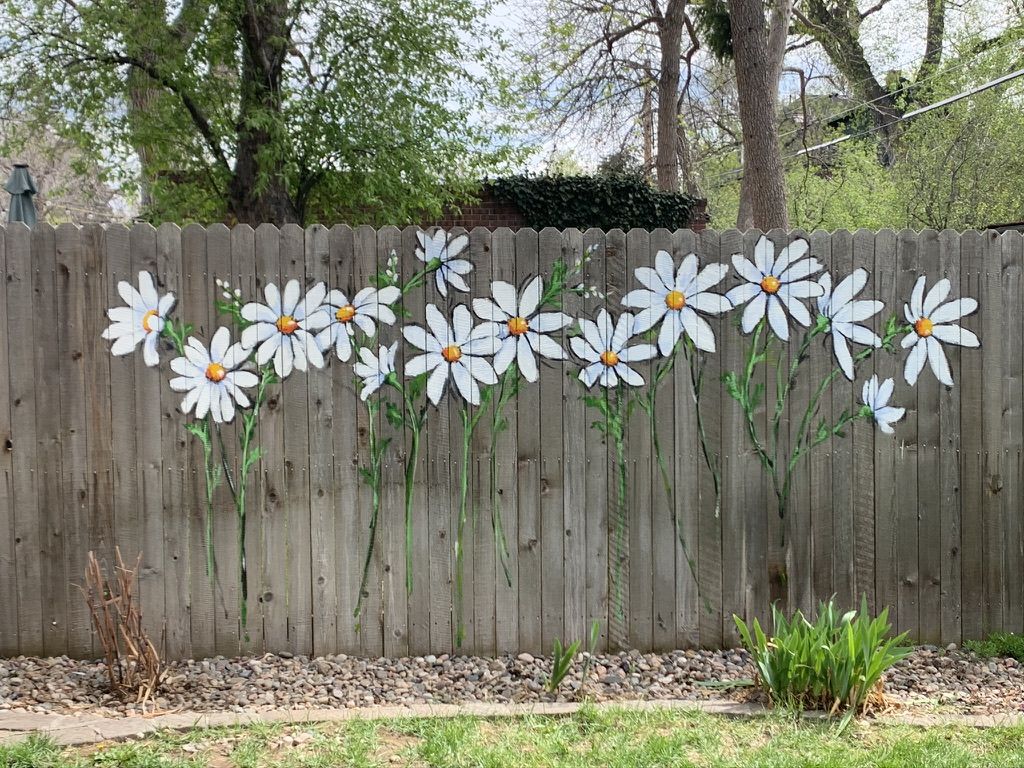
column 763, row 174
column 670, row 36
column 258, row 191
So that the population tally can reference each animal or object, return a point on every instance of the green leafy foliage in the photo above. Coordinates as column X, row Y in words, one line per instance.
column 999, row 644
column 835, row 662
column 365, row 111
column 606, row 201
column 561, row 663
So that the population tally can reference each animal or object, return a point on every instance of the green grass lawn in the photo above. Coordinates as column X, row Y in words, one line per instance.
column 609, row 738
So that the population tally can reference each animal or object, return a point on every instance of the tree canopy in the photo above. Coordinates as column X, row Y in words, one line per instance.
column 267, row 110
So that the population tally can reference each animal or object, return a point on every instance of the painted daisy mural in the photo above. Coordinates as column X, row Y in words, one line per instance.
column 775, row 287
column 141, row 321
column 468, row 348
column 677, row 298
column 523, row 331
column 282, row 328
column 933, row 322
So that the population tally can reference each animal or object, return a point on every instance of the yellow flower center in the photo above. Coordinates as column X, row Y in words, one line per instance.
column 451, row 353
column 675, row 300
column 609, row 358
column 287, row 324
column 216, row 372
column 517, row 326
column 923, row 327
column 146, row 318
column 346, row 313
column 770, row 284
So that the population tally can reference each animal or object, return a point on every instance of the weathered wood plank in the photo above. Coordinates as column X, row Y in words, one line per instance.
column 98, row 426
column 481, row 589
column 907, row 459
column 620, row 604
column 8, row 563
column 929, row 440
column 639, row 253
column 992, row 326
column 1012, row 356
column 414, row 302
column 949, row 464
column 392, row 521
column 862, row 437
column 819, row 464
column 972, row 266
column 52, row 523
column 596, row 450
column 173, row 465
column 75, row 483
column 503, row 503
column 272, row 592
column 371, row 630
column 223, row 262
column 192, row 286
column 661, row 476
column 348, row 547
column 574, row 483
column 552, row 538
column 887, row 366
column 844, row 261
column 31, row 590
column 684, row 454
column 323, row 517
column 721, row 413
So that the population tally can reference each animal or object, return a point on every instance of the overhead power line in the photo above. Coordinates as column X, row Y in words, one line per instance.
column 910, row 85
column 916, row 112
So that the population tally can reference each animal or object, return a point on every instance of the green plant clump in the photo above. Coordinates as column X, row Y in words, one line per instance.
column 834, row 663
column 607, row 201
column 999, row 644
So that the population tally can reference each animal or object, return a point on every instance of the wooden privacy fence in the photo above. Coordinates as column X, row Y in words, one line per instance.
column 95, row 455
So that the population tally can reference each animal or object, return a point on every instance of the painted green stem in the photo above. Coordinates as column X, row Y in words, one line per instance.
column 617, row 427
column 374, row 483
column 469, row 421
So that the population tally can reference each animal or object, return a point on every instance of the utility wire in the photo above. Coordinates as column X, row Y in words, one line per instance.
column 914, row 113
column 888, row 94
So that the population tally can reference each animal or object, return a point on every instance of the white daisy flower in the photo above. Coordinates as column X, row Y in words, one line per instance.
column 443, row 252
column 211, row 378
column 373, row 369
column 281, row 328
column 458, row 351
column 933, row 325
column 876, row 398
column 844, row 314
column 675, row 297
column 603, row 347
column 366, row 306
column 774, row 283
column 522, row 328
column 142, row 320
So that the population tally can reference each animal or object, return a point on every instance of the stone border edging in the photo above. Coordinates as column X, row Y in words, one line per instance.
column 80, row 730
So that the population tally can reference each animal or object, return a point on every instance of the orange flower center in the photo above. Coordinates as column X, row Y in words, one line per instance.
column 770, row 284
column 517, row 326
column 451, row 353
column 609, row 358
column 346, row 313
column 675, row 300
column 146, row 318
column 287, row 324
column 923, row 327
column 216, row 372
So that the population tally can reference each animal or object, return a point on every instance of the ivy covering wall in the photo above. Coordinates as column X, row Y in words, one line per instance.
column 608, row 201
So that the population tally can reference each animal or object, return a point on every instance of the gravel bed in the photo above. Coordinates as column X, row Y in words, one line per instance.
column 930, row 678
